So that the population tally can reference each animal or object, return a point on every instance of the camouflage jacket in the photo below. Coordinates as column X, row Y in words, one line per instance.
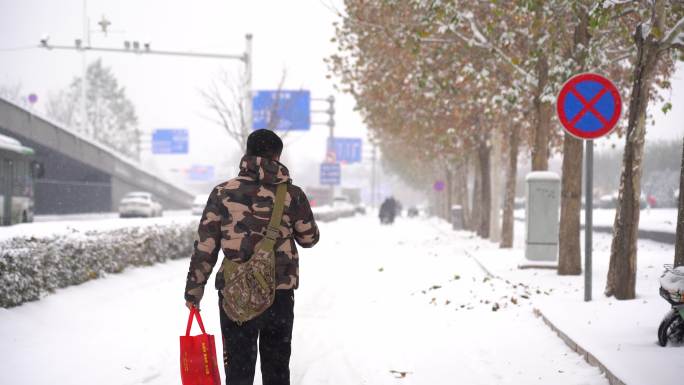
column 235, row 219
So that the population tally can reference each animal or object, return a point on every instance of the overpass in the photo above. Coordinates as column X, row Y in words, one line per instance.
column 81, row 175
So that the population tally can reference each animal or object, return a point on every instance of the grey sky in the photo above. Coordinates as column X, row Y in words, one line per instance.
column 287, row 34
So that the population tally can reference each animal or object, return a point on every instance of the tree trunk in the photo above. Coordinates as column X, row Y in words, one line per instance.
column 569, row 251
column 495, row 195
column 449, row 191
column 621, row 280
column 509, row 200
column 540, row 147
column 486, row 194
column 679, row 243
column 475, row 214
column 543, row 112
column 462, row 185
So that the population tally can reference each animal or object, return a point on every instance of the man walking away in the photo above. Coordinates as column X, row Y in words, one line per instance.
column 235, row 219
column 387, row 211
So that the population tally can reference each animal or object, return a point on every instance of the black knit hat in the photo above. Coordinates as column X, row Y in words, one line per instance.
column 264, row 143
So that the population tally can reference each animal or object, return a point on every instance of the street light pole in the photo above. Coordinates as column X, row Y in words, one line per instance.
column 83, row 46
column 248, row 82
column 331, row 135
column 330, row 146
column 84, row 69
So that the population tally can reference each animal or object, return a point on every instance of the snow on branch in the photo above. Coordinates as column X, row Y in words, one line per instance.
column 674, row 36
column 486, row 43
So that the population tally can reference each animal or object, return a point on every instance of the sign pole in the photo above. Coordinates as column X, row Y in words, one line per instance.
column 588, row 211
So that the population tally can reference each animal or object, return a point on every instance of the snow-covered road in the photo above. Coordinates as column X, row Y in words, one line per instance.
column 376, row 305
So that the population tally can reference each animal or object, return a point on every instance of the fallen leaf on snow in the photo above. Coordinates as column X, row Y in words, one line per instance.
column 399, row 373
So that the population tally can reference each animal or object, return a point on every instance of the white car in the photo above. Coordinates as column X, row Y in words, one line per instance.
column 199, row 203
column 139, row 204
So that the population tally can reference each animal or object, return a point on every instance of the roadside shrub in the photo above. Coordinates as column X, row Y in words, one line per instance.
column 31, row 267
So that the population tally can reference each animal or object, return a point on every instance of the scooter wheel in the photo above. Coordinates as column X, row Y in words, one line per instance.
column 671, row 328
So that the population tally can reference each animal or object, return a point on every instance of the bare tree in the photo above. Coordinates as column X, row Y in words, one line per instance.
column 225, row 98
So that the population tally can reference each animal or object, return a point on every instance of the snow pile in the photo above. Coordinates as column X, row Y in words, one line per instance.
column 672, row 280
column 33, row 266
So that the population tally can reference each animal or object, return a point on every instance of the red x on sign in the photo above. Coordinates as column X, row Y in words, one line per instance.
column 588, row 106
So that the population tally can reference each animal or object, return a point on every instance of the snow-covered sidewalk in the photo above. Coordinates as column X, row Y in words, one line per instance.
column 377, row 305
column 622, row 335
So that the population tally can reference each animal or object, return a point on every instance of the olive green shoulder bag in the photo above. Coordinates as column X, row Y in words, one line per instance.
column 250, row 286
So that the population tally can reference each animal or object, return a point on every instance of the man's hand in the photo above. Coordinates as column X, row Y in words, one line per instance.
column 190, row 305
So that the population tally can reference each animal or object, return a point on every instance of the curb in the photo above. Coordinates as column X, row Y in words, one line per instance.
column 477, row 261
column 572, row 344
column 588, row 357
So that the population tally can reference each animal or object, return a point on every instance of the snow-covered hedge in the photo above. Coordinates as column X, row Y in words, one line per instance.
column 31, row 267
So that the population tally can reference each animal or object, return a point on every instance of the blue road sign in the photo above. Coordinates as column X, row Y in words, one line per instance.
column 170, row 141
column 281, row 110
column 347, row 150
column 589, row 106
column 201, row 172
column 330, row 174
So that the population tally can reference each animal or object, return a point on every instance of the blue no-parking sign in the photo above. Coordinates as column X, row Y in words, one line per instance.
column 589, row 106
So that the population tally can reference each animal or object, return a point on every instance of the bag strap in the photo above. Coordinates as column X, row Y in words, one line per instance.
column 194, row 313
column 273, row 228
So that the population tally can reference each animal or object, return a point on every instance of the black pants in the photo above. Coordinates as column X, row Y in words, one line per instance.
column 274, row 331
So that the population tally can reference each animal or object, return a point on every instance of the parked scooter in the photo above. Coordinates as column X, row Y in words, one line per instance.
column 672, row 290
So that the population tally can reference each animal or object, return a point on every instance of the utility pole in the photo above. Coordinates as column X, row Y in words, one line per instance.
column 135, row 47
column 248, row 82
column 85, row 40
column 331, row 135
column 330, row 146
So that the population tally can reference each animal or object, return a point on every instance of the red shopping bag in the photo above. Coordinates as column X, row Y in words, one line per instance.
column 198, row 356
